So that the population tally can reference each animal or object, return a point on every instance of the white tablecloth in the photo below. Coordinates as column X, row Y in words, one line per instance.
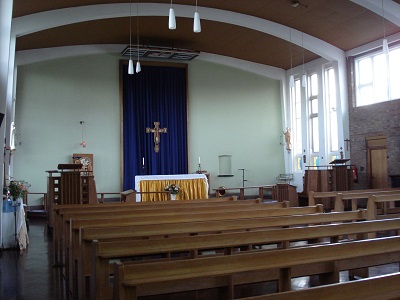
column 167, row 177
column 9, row 221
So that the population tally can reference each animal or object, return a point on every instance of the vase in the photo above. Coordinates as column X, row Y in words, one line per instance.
column 173, row 196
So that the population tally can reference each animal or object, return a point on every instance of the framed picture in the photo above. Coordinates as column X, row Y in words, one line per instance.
column 86, row 160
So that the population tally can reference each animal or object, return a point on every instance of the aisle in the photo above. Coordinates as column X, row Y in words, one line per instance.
column 29, row 274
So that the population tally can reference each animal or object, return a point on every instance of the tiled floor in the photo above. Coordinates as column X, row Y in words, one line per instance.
column 30, row 274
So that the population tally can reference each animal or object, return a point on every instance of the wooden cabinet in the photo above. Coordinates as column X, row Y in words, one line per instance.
column 284, row 191
column 326, row 179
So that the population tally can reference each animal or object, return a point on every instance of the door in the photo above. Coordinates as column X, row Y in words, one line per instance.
column 377, row 162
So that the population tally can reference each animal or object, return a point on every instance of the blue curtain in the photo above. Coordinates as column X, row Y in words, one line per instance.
column 157, row 94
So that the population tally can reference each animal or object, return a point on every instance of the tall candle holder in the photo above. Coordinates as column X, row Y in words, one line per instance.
column 199, row 169
column 143, row 170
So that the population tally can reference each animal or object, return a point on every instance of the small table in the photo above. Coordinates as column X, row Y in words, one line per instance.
column 14, row 229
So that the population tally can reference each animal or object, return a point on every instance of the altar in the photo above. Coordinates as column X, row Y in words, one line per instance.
column 193, row 186
column 14, row 230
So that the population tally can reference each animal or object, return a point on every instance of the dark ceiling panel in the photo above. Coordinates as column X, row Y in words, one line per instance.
column 341, row 23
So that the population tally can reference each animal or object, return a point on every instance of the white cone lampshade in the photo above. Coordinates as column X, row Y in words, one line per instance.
column 291, row 81
column 130, row 67
column 138, row 67
column 171, row 19
column 385, row 46
column 304, row 81
column 196, row 23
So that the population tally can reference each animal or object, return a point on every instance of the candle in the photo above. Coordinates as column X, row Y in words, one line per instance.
column 143, row 161
column 199, row 159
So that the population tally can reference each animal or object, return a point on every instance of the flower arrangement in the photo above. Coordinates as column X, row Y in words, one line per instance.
column 173, row 188
column 18, row 189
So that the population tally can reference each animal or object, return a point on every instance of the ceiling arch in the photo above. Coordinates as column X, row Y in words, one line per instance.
column 49, row 19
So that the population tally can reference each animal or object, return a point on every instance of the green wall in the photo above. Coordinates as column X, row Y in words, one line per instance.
column 236, row 113
column 230, row 112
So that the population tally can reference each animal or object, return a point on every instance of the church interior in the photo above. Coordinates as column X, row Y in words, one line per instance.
column 200, row 149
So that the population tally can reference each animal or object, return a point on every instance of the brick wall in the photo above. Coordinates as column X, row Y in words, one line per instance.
column 381, row 119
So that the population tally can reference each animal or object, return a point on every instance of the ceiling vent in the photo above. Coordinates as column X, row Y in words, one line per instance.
column 160, row 53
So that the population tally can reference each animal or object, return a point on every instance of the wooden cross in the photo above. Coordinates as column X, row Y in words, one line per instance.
column 156, row 130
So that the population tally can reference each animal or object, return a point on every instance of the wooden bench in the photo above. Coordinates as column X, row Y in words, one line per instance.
column 59, row 210
column 117, row 208
column 197, row 216
column 157, row 217
column 103, row 252
column 177, row 215
column 134, row 280
column 124, row 211
column 111, row 234
column 312, row 196
column 374, row 288
column 354, row 196
column 374, row 200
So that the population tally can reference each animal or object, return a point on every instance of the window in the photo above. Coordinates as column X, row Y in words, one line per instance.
column 316, row 118
column 377, row 76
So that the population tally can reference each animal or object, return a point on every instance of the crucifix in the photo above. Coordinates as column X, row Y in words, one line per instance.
column 156, row 131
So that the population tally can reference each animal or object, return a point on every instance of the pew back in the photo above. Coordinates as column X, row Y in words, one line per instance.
column 374, row 288
column 133, row 280
column 103, row 251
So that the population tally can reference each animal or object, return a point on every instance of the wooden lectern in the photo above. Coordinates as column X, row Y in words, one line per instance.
column 69, row 185
column 335, row 177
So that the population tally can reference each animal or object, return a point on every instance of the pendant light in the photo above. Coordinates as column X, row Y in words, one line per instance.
column 196, row 22
column 130, row 65
column 171, row 19
column 138, row 67
column 385, row 46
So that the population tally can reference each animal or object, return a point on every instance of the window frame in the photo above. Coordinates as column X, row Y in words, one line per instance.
column 387, row 94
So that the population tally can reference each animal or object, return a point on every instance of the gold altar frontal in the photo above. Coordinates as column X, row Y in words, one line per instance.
column 192, row 186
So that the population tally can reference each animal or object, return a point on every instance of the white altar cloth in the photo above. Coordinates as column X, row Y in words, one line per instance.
column 9, row 221
column 167, row 177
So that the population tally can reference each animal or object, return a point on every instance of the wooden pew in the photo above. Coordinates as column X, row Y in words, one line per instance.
column 373, row 288
column 160, row 219
column 374, row 200
column 176, row 215
column 115, row 212
column 111, row 234
column 134, row 280
column 103, row 252
column 61, row 211
column 312, row 196
column 354, row 196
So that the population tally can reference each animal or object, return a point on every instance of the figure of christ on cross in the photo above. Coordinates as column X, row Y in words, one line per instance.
column 156, row 131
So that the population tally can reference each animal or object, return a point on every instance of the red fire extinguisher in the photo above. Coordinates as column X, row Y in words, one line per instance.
column 355, row 174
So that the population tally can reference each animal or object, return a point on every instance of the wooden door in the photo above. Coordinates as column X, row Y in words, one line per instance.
column 377, row 162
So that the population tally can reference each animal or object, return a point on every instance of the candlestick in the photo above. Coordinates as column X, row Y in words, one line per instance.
column 143, row 161
column 199, row 159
